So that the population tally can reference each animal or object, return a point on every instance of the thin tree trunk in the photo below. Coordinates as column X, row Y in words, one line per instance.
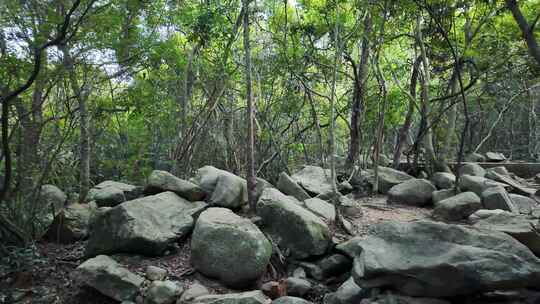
column 251, row 182
column 526, row 30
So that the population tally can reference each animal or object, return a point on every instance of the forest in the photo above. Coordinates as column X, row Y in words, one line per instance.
column 262, row 151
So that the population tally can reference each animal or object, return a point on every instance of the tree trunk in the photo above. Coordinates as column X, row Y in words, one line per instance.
column 251, row 182
column 359, row 94
column 526, row 30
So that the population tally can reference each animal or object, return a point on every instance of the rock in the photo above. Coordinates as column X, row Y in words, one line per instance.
column 248, row 297
column 433, row 259
column 162, row 292
column 154, row 273
column 475, row 158
column 313, row 179
column 345, row 187
column 498, row 198
column 476, row 184
column 483, row 214
column 416, row 192
column 333, row 265
column 400, row 299
column 297, row 287
column 274, row 289
column 71, row 224
column 111, row 193
column 288, row 186
column 109, row 278
column 440, row 195
column 161, row 181
column 348, row 293
column 229, row 247
column 350, row 247
column 53, row 198
column 290, row 300
column 194, row 291
column 472, row 169
column 523, row 203
column 147, row 225
column 389, row 177
column 321, row 208
column 514, row 184
column 223, row 188
column 291, row 226
column 520, row 227
column 457, row 207
column 498, row 170
column 443, row 180
column 349, row 207
column 260, row 186
column 299, row 272
column 495, row 157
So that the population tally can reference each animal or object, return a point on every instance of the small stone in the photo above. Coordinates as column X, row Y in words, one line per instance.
column 290, row 300
column 297, row 287
column 299, row 273
column 162, row 292
column 194, row 291
column 154, row 273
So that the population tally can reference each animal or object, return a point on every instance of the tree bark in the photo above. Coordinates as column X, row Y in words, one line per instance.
column 360, row 76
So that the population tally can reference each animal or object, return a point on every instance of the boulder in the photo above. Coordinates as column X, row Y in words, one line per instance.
column 292, row 226
column 223, row 188
column 389, row 177
column 347, row 293
column 161, row 181
column 147, row 225
column 288, row 186
column 162, row 292
column 416, row 192
column 71, row 224
column 248, row 297
column 472, row 169
column 497, row 170
column 154, row 273
column 483, row 214
column 260, row 186
column 443, row 180
column 524, row 204
column 194, row 291
column 498, row 198
column 229, row 247
column 475, row 158
column 290, row 300
column 476, row 184
column 109, row 278
column 321, row 208
column 327, row 267
column 495, row 157
column 315, row 180
column 111, row 193
column 53, row 198
column 520, row 227
column 457, row 207
column 433, row 259
column 440, row 195
column 400, row 299
column 298, row 287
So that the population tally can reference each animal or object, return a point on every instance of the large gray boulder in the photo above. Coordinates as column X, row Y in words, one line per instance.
column 71, row 224
column 347, row 293
column 223, row 189
column 521, row 227
column 443, row 194
column 109, row 278
column 457, row 207
column 389, row 177
column 229, row 247
column 443, row 180
column 161, row 181
column 524, row 204
column 472, row 169
column 313, row 179
column 495, row 157
column 321, row 208
column 416, row 192
column 53, row 198
column 112, row 193
column 292, row 226
column 147, row 225
column 433, row 259
column 290, row 300
column 498, row 198
column 248, row 297
column 288, row 186
column 476, row 184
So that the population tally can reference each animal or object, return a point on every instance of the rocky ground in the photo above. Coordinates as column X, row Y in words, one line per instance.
column 180, row 241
